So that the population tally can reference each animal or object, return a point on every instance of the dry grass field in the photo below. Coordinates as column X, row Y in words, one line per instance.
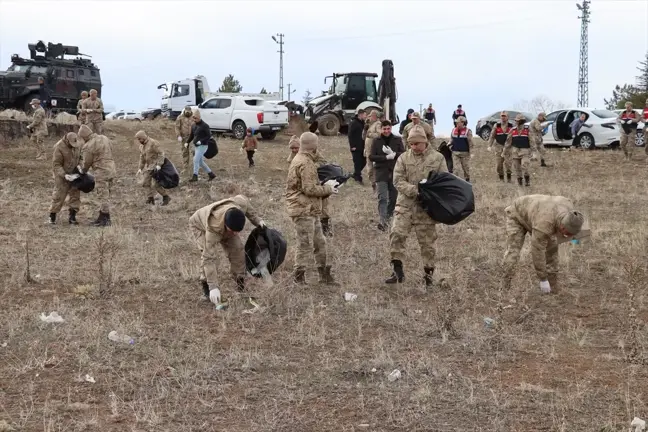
column 309, row 360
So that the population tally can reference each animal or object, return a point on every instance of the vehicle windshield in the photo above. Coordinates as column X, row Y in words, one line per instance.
column 370, row 89
column 340, row 85
column 18, row 68
column 604, row 114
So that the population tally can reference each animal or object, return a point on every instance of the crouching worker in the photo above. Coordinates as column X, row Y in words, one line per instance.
column 411, row 167
column 217, row 224
column 304, row 196
column 151, row 159
column 550, row 220
column 67, row 156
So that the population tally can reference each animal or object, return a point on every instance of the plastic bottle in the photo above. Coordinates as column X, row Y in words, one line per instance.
column 117, row 337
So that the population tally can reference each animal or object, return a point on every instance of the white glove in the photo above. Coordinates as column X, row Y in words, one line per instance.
column 490, row 148
column 158, row 167
column 186, row 145
column 71, row 177
column 139, row 171
column 472, row 155
column 89, row 110
column 79, row 169
column 241, row 150
column 262, row 224
column 198, row 143
column 28, row 127
column 545, row 287
column 390, row 156
column 387, row 150
column 214, row 294
column 333, row 183
column 179, row 139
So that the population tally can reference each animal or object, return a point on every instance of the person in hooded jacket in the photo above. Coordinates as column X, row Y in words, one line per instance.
column 97, row 155
column 151, row 159
column 66, row 157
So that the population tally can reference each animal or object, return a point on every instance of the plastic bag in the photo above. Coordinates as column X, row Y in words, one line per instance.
column 265, row 251
column 84, row 183
column 446, row 198
column 332, row 172
column 167, row 176
column 212, row 148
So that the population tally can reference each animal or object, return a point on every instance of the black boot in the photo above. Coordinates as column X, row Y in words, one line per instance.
column 398, row 276
column 299, row 277
column 520, row 181
column 103, row 220
column 326, row 227
column 501, row 177
column 542, row 163
column 52, row 218
column 205, row 289
column 194, row 178
column 72, row 219
column 240, row 283
column 527, row 180
column 165, row 200
column 212, row 176
column 508, row 177
column 325, row 276
column 468, row 179
column 150, row 200
column 429, row 272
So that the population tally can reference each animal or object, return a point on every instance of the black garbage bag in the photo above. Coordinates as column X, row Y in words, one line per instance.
column 444, row 149
column 167, row 176
column 212, row 148
column 446, row 198
column 332, row 172
column 264, row 247
column 85, row 183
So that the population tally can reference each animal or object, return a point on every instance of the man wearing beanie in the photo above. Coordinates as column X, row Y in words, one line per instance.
column 304, row 196
column 216, row 224
column 97, row 154
column 411, row 167
column 293, row 145
column 550, row 220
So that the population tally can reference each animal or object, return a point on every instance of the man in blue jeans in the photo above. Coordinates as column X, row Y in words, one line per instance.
column 576, row 126
column 200, row 135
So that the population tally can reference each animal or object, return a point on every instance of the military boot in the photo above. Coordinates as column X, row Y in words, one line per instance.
column 520, row 181
column 527, row 180
column 468, row 179
column 150, row 200
column 325, row 276
column 299, row 276
column 240, row 283
column 212, row 176
column 52, row 219
column 508, row 177
column 165, row 200
column 398, row 276
column 501, row 177
column 542, row 163
column 326, row 227
column 72, row 218
column 429, row 272
column 103, row 220
column 205, row 290
column 552, row 278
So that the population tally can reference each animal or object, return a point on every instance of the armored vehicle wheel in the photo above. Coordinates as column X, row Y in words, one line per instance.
column 329, row 125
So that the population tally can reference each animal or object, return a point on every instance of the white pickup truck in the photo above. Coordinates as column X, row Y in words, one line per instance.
column 234, row 114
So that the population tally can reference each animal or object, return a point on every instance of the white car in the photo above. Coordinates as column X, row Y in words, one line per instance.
column 125, row 115
column 603, row 133
column 640, row 138
column 234, row 114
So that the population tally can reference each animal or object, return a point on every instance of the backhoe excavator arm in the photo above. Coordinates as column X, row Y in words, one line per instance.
column 387, row 94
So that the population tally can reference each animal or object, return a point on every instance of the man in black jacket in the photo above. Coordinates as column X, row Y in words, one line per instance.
column 384, row 152
column 357, row 145
column 200, row 136
column 408, row 120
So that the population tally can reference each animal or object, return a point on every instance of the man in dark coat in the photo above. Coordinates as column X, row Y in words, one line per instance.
column 357, row 144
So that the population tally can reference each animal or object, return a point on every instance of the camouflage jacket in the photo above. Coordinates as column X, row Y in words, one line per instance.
column 65, row 159
column 303, row 190
column 38, row 125
column 150, row 155
column 183, row 126
column 96, row 115
column 97, row 154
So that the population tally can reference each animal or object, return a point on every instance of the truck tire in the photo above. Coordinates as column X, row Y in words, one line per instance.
column 268, row 136
column 239, row 129
column 329, row 125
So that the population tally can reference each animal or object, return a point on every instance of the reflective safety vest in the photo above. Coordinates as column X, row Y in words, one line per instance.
column 459, row 140
column 645, row 114
column 627, row 128
column 520, row 138
column 500, row 133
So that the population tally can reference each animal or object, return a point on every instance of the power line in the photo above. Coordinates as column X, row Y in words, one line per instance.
column 583, row 73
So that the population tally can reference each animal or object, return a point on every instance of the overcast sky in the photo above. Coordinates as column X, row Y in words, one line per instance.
column 486, row 55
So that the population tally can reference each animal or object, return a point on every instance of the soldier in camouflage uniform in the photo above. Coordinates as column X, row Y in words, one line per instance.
column 81, row 115
column 93, row 108
column 518, row 146
column 535, row 133
column 293, row 145
column 496, row 143
column 374, row 129
column 325, row 219
column 629, row 121
column 411, row 167
column 550, row 220
column 183, row 125
column 461, row 144
column 304, row 205
column 416, row 120
column 38, row 128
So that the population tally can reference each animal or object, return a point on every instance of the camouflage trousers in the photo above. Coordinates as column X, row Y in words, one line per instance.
column 102, row 187
column 152, row 186
column 515, row 235
column 461, row 159
column 425, row 229
column 500, row 161
column 325, row 213
column 309, row 229
column 38, row 141
column 232, row 246
column 370, row 167
column 63, row 189
column 541, row 148
column 521, row 158
column 187, row 155
column 96, row 126
column 628, row 142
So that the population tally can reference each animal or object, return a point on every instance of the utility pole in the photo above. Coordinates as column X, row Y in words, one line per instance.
column 280, row 42
column 583, row 74
column 290, row 92
column 420, row 108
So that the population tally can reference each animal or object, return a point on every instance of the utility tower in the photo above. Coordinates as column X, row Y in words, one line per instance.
column 583, row 75
column 289, row 91
column 280, row 42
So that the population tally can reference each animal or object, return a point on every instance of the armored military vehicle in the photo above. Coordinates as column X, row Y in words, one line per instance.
column 65, row 78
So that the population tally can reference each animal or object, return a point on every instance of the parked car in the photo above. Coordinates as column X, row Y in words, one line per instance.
column 124, row 115
column 484, row 125
column 603, row 133
column 640, row 138
column 151, row 113
column 234, row 114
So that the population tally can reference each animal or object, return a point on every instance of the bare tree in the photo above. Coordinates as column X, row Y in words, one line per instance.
column 539, row 104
